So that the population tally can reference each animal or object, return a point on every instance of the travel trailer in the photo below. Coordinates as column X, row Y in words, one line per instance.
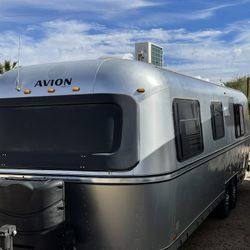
column 116, row 154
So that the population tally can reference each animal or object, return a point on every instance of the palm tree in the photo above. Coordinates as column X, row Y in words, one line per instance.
column 7, row 66
column 1, row 69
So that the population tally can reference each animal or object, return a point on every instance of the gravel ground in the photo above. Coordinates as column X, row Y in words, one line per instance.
column 232, row 233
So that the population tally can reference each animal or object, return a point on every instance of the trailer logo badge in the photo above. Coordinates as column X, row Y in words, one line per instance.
column 58, row 82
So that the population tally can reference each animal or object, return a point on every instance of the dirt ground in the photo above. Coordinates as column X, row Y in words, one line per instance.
column 232, row 233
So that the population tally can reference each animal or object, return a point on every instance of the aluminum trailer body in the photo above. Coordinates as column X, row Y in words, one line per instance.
column 115, row 154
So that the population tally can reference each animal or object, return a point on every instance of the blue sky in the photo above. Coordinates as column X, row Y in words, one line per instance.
column 207, row 39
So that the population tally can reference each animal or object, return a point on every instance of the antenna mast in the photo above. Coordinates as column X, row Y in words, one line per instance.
column 18, row 88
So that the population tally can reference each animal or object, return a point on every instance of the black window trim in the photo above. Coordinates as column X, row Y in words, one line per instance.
column 124, row 159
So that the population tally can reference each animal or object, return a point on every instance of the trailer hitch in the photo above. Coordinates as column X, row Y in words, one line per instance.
column 7, row 233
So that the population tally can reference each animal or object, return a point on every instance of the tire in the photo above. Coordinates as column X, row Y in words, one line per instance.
column 223, row 208
column 233, row 194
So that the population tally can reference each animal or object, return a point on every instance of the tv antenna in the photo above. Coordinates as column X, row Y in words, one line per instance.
column 18, row 87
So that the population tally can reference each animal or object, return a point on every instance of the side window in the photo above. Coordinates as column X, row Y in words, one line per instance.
column 217, row 120
column 239, row 120
column 188, row 131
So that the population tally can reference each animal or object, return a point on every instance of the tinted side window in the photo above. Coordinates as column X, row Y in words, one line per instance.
column 217, row 120
column 239, row 120
column 188, row 131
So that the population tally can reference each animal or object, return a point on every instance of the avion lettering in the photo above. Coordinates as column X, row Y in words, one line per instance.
column 54, row 82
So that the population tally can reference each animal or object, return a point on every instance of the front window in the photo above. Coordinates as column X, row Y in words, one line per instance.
column 94, row 132
column 76, row 129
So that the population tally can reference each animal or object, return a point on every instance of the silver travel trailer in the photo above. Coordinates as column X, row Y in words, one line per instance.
column 116, row 154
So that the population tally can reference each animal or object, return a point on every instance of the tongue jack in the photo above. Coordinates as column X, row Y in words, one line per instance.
column 7, row 233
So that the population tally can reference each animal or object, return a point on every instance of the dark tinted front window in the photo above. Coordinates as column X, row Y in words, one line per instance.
column 96, row 132
column 87, row 128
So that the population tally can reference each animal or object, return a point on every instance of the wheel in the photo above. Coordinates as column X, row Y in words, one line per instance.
column 223, row 208
column 233, row 194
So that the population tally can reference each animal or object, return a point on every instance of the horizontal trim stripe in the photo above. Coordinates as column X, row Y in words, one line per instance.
column 214, row 154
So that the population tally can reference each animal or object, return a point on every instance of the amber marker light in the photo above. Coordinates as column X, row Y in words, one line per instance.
column 27, row 91
column 51, row 90
column 75, row 89
column 174, row 237
column 140, row 90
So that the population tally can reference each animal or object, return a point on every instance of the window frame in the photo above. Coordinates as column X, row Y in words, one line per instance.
column 238, row 117
column 213, row 121
column 181, row 155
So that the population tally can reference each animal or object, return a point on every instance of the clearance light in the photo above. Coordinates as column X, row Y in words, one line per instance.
column 140, row 90
column 27, row 91
column 51, row 90
column 174, row 237
column 75, row 89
